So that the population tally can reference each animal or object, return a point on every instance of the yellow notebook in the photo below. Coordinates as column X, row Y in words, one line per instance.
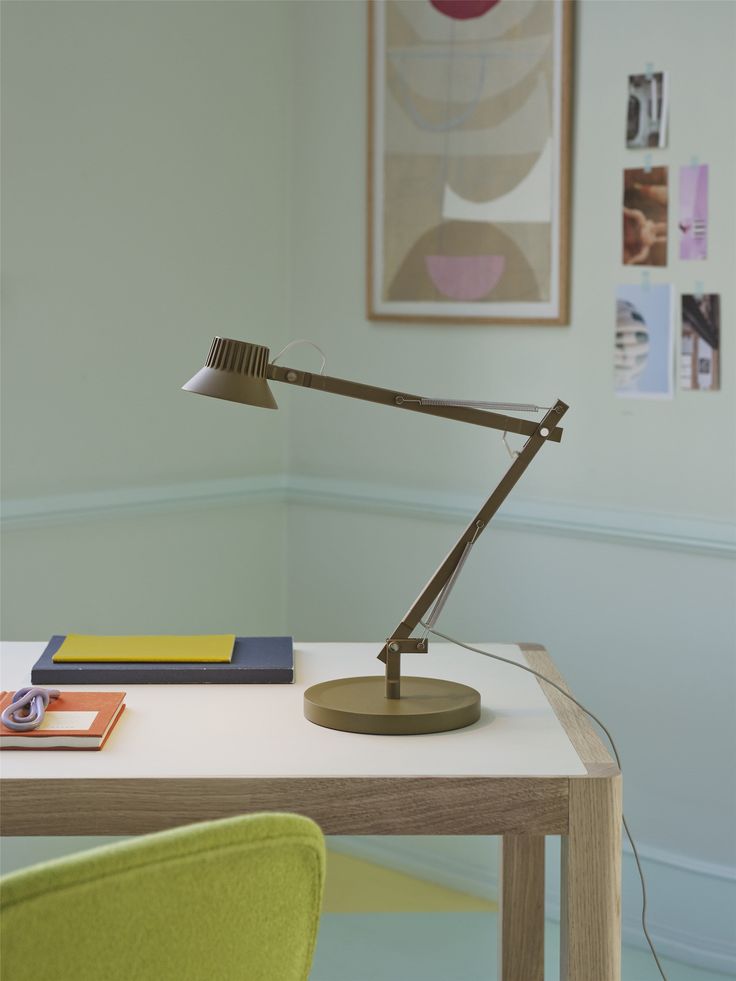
column 84, row 647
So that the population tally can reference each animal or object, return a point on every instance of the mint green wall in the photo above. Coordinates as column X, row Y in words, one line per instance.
column 180, row 570
column 146, row 194
column 146, row 189
column 173, row 170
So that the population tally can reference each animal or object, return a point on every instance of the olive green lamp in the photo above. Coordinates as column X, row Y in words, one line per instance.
column 389, row 704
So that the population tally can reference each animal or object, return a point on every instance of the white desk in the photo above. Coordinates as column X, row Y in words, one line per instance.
column 531, row 766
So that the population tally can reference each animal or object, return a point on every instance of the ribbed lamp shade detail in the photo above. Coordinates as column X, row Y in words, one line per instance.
column 230, row 355
column 235, row 371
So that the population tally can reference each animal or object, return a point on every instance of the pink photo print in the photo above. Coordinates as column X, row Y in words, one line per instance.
column 692, row 222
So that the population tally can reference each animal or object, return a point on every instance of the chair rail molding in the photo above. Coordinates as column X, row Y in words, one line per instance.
column 680, row 533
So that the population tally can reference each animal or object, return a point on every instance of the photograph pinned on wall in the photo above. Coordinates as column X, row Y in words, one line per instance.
column 646, row 195
column 692, row 223
column 646, row 117
column 700, row 342
column 644, row 348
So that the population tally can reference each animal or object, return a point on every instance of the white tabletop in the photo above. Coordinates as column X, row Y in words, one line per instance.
column 260, row 731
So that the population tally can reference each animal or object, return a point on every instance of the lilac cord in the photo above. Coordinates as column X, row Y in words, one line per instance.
column 27, row 709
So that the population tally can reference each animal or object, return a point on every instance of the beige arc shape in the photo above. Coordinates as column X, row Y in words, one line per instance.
column 529, row 201
column 480, row 71
column 516, row 129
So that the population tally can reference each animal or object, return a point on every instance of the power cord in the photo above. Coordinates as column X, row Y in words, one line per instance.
column 548, row 681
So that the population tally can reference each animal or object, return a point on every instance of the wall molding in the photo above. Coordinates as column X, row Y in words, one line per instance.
column 679, row 941
column 647, row 529
column 34, row 512
column 634, row 528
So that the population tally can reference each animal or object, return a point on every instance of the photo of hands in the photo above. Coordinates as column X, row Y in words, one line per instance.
column 646, row 195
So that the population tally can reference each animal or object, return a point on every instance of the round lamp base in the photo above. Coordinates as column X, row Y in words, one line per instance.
column 360, row 705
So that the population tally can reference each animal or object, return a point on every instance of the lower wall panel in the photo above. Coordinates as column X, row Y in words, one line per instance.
column 691, row 905
column 218, row 569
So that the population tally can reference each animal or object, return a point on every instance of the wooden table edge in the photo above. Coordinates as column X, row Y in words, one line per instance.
column 340, row 805
column 591, row 750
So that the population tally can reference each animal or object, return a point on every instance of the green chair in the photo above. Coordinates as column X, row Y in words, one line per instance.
column 220, row 901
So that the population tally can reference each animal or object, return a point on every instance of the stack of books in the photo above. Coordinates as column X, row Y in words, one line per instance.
column 222, row 659
column 74, row 720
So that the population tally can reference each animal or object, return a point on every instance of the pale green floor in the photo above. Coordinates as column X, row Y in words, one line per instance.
column 445, row 947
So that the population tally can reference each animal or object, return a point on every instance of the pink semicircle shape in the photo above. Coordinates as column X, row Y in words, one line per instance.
column 465, row 277
column 463, row 9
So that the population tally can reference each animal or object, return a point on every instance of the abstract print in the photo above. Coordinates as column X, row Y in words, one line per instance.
column 468, row 133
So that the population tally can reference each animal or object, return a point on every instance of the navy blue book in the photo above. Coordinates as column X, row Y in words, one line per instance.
column 255, row 661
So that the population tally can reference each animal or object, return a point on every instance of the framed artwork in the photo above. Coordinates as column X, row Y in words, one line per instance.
column 468, row 160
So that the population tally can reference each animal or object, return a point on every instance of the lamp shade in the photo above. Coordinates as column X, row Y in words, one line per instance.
column 236, row 371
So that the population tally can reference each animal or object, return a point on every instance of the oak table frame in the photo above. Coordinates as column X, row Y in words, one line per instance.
column 429, row 785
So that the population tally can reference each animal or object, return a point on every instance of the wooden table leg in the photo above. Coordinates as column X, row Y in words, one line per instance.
column 590, row 927
column 521, row 908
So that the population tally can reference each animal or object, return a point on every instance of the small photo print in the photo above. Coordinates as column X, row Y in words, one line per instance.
column 644, row 349
column 646, row 117
column 692, row 224
column 700, row 342
column 646, row 196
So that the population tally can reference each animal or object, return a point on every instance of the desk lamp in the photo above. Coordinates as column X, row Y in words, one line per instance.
column 391, row 705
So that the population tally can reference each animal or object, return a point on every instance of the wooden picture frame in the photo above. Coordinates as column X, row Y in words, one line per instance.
column 469, row 106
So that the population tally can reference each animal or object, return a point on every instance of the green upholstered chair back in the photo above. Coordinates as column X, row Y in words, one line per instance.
column 220, row 901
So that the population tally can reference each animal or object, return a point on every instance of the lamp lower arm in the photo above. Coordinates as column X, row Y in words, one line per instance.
column 428, row 595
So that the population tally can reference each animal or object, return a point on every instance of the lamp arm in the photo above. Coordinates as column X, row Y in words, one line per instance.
column 538, row 434
column 406, row 401
column 403, row 631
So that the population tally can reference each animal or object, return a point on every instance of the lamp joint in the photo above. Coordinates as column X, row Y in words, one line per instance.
column 407, row 645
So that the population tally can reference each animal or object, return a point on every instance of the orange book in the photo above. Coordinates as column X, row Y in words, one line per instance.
column 74, row 720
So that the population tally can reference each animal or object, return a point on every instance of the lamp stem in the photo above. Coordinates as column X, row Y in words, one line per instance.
column 393, row 675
